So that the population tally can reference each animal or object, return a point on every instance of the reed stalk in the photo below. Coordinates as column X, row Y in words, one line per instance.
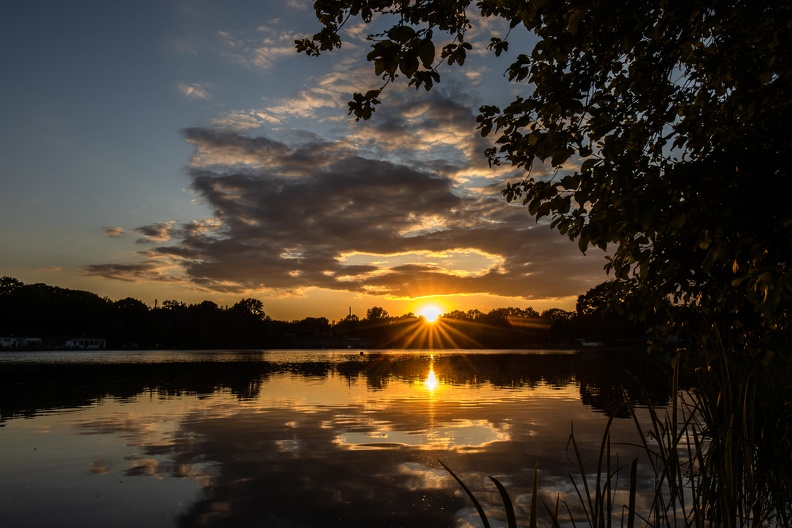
column 712, row 462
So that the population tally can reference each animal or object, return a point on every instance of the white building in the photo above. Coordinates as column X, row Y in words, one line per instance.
column 20, row 342
column 86, row 343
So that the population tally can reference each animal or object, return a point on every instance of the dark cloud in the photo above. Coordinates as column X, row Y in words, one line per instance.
column 142, row 271
column 159, row 232
column 391, row 209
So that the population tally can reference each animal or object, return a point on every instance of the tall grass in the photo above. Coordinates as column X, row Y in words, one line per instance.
column 719, row 456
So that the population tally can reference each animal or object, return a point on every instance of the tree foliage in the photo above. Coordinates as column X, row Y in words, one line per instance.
column 376, row 313
column 557, row 314
column 250, row 307
column 664, row 124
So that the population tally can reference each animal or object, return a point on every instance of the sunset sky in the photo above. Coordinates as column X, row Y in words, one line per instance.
column 182, row 149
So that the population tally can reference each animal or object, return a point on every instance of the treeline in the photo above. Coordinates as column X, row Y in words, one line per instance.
column 45, row 311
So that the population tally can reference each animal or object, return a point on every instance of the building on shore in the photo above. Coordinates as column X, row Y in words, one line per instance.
column 38, row 343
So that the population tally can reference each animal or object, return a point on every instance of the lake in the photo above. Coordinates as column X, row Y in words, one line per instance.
column 303, row 438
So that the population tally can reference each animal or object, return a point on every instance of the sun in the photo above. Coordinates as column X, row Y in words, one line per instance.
column 430, row 312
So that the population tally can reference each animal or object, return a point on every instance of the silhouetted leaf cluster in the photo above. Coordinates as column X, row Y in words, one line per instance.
column 664, row 127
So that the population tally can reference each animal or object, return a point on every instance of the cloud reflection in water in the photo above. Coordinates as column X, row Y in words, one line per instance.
column 328, row 440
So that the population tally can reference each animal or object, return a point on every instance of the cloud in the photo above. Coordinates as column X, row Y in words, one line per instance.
column 434, row 131
column 136, row 272
column 159, row 232
column 114, row 231
column 240, row 120
column 50, row 268
column 317, row 213
column 261, row 51
column 194, row 91
column 301, row 5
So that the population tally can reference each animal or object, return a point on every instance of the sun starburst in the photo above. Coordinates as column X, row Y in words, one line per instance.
column 430, row 312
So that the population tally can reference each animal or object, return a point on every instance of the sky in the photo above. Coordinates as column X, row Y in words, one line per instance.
column 182, row 149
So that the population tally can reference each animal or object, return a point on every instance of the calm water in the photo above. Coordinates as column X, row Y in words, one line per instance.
column 298, row 438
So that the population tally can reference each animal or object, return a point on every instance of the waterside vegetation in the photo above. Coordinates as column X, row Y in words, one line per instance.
column 654, row 130
column 706, row 470
column 50, row 312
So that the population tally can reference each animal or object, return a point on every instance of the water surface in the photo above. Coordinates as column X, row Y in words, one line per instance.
column 299, row 438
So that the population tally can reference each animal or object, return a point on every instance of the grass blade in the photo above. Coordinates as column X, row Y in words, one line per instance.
column 554, row 514
column 590, row 511
column 507, row 504
column 534, row 496
column 479, row 509
column 633, row 485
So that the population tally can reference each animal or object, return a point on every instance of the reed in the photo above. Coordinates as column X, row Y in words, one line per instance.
column 719, row 456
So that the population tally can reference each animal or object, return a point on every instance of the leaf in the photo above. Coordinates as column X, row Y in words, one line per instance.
column 401, row 34
column 533, row 206
column 583, row 241
column 408, row 64
column 379, row 67
column 588, row 164
column 574, row 20
column 427, row 53
column 499, row 46
column 560, row 156
column 544, row 210
column 570, row 181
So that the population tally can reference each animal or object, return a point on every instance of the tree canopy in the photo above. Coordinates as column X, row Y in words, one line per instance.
column 664, row 123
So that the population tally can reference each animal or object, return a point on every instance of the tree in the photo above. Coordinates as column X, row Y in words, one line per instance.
column 600, row 298
column 605, row 313
column 376, row 313
column 9, row 284
column 250, row 307
column 312, row 324
column 173, row 305
column 557, row 314
column 457, row 315
column 131, row 305
column 664, row 124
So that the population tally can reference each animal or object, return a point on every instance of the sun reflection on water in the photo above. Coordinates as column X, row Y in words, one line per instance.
column 431, row 382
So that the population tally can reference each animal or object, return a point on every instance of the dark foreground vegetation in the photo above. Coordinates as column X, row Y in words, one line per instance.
column 51, row 312
column 660, row 131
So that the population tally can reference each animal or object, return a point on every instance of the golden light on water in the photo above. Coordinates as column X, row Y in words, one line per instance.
column 431, row 382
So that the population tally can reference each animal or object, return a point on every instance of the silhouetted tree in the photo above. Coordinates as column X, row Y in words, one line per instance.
column 130, row 325
column 604, row 313
column 170, row 304
column 458, row 315
column 376, row 313
column 557, row 314
column 250, row 307
column 209, row 325
column 9, row 284
column 665, row 124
